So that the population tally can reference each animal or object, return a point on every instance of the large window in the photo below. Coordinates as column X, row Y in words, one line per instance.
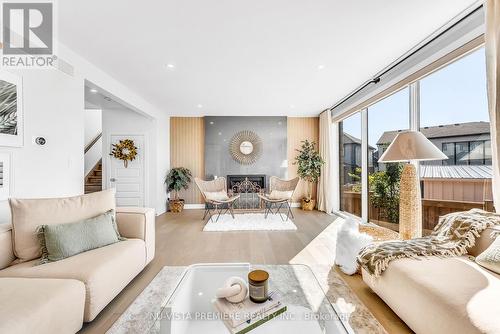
column 386, row 119
column 450, row 106
column 454, row 116
column 350, row 165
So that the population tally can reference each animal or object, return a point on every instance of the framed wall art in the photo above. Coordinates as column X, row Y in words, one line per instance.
column 11, row 110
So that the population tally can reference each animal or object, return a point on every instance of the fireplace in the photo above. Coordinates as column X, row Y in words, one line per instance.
column 248, row 187
column 257, row 180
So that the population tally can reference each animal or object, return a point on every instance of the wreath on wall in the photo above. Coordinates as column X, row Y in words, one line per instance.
column 125, row 150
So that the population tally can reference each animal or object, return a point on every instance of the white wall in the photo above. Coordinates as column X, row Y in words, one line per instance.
column 93, row 127
column 131, row 99
column 93, row 124
column 162, row 161
column 53, row 108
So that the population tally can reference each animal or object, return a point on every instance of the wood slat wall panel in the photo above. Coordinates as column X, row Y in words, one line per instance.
column 187, row 149
column 299, row 129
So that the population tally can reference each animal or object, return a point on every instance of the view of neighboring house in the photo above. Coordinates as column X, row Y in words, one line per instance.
column 351, row 156
column 463, row 143
column 466, row 174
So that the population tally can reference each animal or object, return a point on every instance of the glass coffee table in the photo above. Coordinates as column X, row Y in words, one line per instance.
column 189, row 308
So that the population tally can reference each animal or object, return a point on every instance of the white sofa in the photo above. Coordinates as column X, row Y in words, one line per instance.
column 58, row 297
column 442, row 295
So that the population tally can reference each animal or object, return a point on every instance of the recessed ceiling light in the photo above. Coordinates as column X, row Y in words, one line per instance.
column 200, row 105
column 211, row 122
column 93, row 90
column 320, row 67
column 170, row 66
column 292, row 106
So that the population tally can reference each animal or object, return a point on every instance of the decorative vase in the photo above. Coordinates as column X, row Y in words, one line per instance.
column 176, row 205
column 307, row 204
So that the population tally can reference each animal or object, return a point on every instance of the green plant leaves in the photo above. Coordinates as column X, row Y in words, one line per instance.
column 177, row 179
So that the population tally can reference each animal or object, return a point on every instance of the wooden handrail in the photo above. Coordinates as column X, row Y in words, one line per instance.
column 92, row 143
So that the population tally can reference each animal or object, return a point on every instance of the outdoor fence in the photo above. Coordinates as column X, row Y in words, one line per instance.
column 431, row 209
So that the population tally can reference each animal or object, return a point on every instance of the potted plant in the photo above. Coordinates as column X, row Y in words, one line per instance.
column 309, row 164
column 177, row 179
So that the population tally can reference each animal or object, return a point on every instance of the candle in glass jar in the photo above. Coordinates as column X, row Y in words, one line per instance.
column 258, row 286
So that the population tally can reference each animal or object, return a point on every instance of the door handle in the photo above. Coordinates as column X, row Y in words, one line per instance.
column 112, row 179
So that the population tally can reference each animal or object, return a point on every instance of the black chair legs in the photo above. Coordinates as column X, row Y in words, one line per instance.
column 277, row 210
column 217, row 209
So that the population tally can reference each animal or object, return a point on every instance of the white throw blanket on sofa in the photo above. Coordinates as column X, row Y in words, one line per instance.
column 349, row 243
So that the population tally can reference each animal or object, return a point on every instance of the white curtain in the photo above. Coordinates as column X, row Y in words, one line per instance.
column 325, row 184
column 492, row 38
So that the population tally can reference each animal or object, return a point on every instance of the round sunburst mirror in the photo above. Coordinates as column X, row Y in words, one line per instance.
column 245, row 147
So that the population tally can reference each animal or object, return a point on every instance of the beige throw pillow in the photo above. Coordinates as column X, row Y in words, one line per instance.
column 28, row 214
column 277, row 195
column 216, row 195
column 490, row 258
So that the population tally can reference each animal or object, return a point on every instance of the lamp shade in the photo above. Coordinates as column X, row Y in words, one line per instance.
column 411, row 145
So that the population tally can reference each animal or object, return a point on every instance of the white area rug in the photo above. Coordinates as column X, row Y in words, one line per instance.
column 249, row 222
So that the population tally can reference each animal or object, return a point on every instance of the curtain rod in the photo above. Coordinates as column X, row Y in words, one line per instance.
column 376, row 79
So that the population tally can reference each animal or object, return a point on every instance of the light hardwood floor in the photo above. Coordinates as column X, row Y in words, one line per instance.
column 180, row 242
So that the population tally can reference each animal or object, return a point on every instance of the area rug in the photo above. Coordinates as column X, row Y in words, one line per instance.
column 140, row 315
column 249, row 222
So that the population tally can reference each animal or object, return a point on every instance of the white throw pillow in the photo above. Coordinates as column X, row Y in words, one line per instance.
column 277, row 194
column 349, row 243
column 490, row 258
column 216, row 195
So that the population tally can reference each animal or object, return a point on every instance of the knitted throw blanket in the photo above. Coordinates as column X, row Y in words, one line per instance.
column 452, row 236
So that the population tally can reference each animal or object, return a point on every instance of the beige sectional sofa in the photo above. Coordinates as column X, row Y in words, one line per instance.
column 58, row 297
column 442, row 295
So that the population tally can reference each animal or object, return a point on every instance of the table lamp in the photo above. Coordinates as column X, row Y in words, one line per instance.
column 408, row 147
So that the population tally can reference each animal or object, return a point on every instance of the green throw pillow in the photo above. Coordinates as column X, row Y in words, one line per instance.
column 64, row 240
column 490, row 258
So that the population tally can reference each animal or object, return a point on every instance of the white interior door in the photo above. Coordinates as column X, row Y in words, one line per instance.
column 129, row 181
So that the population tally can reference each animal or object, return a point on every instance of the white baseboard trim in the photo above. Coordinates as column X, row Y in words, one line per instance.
column 202, row 206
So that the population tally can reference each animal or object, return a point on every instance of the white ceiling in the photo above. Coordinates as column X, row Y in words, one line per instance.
column 247, row 57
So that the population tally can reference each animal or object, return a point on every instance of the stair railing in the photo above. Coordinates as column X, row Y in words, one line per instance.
column 92, row 143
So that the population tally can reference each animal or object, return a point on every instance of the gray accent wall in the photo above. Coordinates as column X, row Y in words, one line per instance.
column 219, row 130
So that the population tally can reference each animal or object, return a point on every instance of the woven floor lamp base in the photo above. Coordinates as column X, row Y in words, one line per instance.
column 410, row 206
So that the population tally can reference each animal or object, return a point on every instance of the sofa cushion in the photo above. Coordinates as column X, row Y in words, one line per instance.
column 28, row 214
column 6, row 251
column 105, row 271
column 490, row 258
column 42, row 306
column 64, row 240
column 484, row 241
column 441, row 295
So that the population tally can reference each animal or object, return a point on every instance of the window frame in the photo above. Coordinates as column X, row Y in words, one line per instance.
column 413, row 83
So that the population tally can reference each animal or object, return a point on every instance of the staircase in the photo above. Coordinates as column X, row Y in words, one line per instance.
column 93, row 181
